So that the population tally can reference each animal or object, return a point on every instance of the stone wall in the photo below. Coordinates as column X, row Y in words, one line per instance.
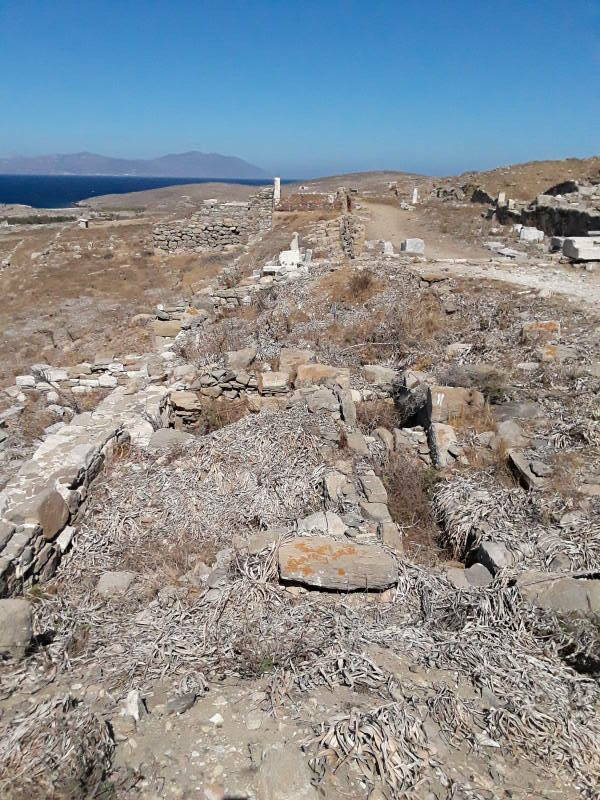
column 40, row 506
column 575, row 214
column 218, row 225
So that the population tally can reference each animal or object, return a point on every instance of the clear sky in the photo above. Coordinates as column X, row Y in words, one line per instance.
column 304, row 87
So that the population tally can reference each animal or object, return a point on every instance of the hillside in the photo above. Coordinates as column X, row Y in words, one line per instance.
column 174, row 165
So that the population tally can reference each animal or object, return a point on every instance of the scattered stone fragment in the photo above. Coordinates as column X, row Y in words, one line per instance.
column 519, row 464
column 240, row 359
column 327, row 563
column 536, row 331
column 494, row 556
column 284, row 774
column 562, row 593
column 15, row 627
column 180, row 703
column 114, row 584
column 168, row 438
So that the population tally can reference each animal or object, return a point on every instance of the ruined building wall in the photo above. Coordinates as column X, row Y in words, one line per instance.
column 218, row 225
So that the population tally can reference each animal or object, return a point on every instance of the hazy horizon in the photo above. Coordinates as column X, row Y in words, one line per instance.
column 304, row 89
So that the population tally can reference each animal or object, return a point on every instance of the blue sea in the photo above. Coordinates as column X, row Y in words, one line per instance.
column 62, row 191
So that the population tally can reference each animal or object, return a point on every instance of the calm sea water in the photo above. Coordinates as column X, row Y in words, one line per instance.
column 61, row 191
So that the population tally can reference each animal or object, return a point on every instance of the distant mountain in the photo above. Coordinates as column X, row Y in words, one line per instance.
column 175, row 165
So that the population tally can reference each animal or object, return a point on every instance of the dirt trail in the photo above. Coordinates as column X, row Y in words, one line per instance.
column 394, row 224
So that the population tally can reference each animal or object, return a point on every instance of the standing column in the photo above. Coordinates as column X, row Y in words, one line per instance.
column 276, row 191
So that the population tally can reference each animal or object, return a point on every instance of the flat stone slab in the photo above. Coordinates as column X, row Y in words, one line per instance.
column 327, row 563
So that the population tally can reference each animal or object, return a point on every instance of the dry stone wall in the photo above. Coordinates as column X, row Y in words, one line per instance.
column 40, row 506
column 218, row 225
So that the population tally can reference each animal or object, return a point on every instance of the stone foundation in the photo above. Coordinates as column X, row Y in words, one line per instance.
column 217, row 226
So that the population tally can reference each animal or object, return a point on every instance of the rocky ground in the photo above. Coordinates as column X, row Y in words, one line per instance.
column 353, row 552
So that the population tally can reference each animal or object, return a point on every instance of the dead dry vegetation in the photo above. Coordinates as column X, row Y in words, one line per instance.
column 424, row 690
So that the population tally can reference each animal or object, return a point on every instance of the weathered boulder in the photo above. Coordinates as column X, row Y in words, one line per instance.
column 166, row 328
column 328, row 563
column 494, row 556
column 447, row 402
column 273, row 382
column 537, row 331
column 323, row 399
column 378, row 375
column 322, row 374
column 114, row 584
column 185, row 400
column 167, row 438
column 46, row 509
column 290, row 359
column 356, row 442
column 564, row 593
column 15, row 627
column 240, row 359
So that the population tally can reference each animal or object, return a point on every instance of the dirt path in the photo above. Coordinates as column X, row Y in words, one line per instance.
column 395, row 225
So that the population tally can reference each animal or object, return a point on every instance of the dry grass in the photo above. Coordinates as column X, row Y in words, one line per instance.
column 354, row 287
column 473, row 420
column 376, row 414
column 216, row 414
column 408, row 486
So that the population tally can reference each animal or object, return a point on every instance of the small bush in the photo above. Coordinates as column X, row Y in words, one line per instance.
column 217, row 414
column 408, row 486
column 376, row 414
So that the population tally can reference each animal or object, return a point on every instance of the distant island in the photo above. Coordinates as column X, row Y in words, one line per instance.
column 175, row 165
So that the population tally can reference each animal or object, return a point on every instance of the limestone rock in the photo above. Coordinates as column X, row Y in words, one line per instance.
column 291, row 357
column 185, row 400
column 377, row 375
column 520, row 465
column 46, row 508
column 329, row 563
column 373, row 488
column 493, row 555
column 537, row 331
column 284, row 774
column 323, row 399
column 322, row 374
column 324, row 522
column 452, row 401
column 564, row 593
column 273, row 382
column 391, row 537
column 413, row 246
column 165, row 328
column 167, row 438
column 15, row 627
column 240, row 359
column 442, row 438
column 113, row 584
column 356, row 442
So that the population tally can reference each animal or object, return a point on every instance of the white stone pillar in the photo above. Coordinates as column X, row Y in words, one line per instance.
column 276, row 191
column 415, row 197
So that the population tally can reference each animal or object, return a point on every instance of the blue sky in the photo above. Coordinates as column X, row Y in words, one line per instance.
column 304, row 87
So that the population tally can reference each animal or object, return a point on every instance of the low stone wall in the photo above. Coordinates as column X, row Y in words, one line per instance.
column 312, row 201
column 344, row 235
column 218, row 225
column 40, row 506
column 554, row 216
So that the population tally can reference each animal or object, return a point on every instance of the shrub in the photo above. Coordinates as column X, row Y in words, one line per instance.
column 376, row 414
column 408, row 486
